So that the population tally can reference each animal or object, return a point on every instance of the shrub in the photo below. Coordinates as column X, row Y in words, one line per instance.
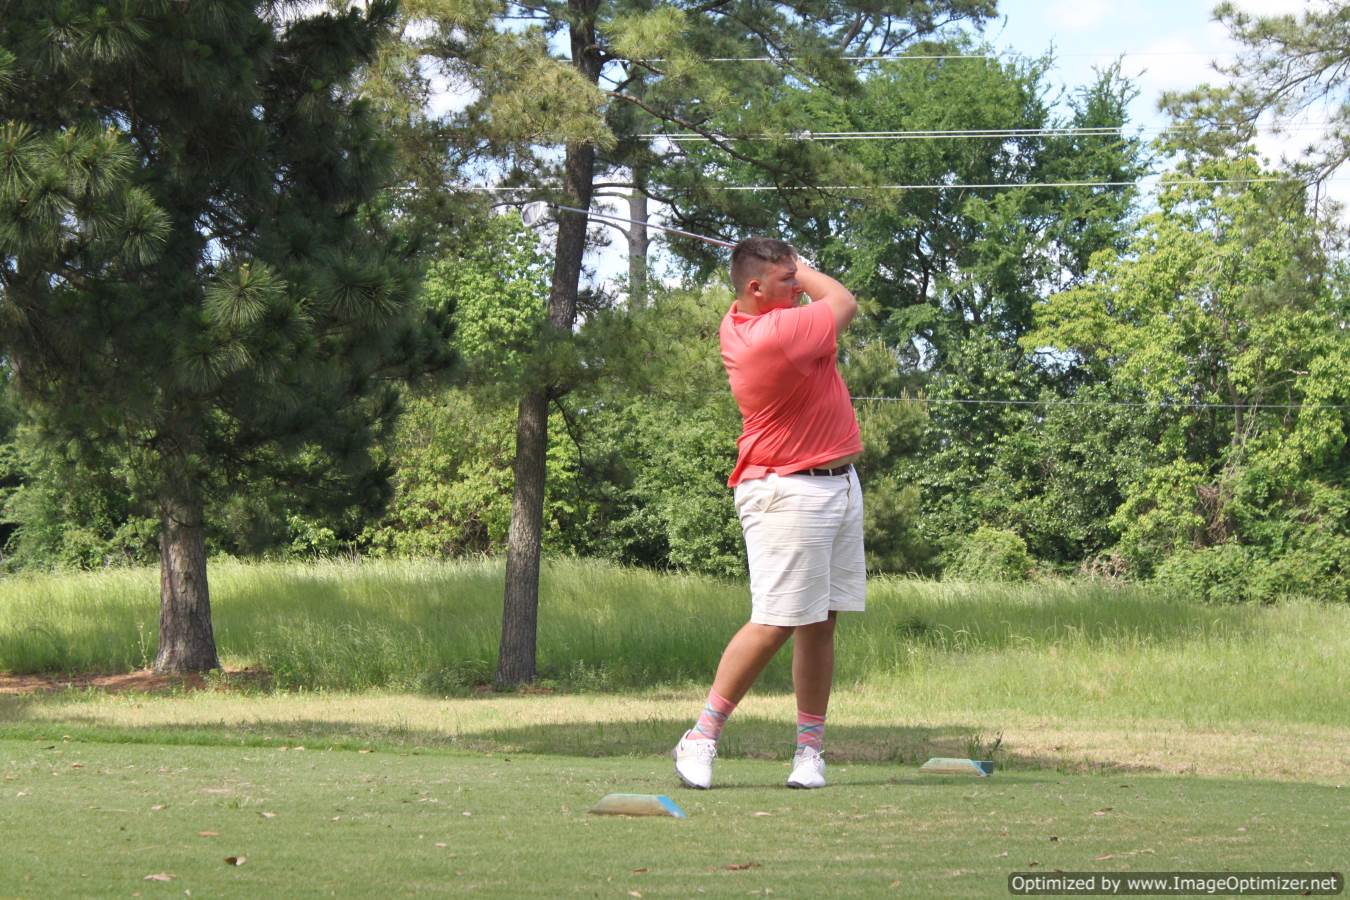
column 991, row 554
column 1219, row 574
column 1232, row 573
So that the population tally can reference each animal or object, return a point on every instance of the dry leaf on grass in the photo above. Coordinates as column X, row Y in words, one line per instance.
column 208, row 834
column 740, row 867
column 159, row 876
column 640, row 871
column 235, row 860
column 268, row 815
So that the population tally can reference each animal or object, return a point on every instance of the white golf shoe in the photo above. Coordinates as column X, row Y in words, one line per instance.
column 694, row 761
column 808, row 769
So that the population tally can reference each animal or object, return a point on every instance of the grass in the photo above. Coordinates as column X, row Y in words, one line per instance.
column 868, row 725
column 1042, row 649
column 1133, row 731
column 313, row 823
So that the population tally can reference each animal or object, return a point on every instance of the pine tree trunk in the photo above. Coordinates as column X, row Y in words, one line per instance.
column 520, row 605
column 520, row 609
column 186, row 640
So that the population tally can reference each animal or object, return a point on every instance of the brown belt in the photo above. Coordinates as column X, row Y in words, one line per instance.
column 838, row 470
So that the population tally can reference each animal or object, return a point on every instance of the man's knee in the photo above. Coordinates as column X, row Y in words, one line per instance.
column 775, row 633
column 821, row 628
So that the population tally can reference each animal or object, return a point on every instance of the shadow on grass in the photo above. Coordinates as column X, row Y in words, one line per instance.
column 746, row 737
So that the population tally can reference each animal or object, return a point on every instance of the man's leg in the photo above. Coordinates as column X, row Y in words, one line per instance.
column 812, row 677
column 747, row 653
column 813, row 665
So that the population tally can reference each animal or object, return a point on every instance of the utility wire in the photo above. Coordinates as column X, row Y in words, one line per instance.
column 948, row 134
column 931, row 57
column 944, row 187
column 1130, row 404
column 1003, row 186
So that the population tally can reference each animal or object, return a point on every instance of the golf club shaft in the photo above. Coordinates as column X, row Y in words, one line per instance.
column 688, row 234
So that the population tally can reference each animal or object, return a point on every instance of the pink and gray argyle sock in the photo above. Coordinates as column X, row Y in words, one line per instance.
column 810, row 730
column 715, row 712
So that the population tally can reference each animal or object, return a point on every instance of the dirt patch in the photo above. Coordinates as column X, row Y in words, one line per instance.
column 141, row 681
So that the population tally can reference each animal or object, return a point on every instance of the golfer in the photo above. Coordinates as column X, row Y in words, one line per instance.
column 797, row 496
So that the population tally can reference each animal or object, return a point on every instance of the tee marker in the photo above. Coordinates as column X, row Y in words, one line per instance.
column 943, row 765
column 638, row 805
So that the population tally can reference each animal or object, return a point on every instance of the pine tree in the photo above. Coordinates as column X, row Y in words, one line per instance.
column 189, row 269
column 1288, row 65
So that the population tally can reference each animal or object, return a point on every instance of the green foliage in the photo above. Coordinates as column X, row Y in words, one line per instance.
column 656, row 435
column 1232, row 573
column 1078, row 385
column 452, row 454
column 495, row 284
column 991, row 554
column 961, row 439
column 892, row 434
column 452, row 479
column 1227, row 314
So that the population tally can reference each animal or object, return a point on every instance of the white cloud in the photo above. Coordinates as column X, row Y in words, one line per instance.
column 1178, row 62
column 1078, row 15
column 1277, row 7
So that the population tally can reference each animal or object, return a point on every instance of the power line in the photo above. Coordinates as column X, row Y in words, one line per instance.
column 951, row 186
column 916, row 57
column 947, row 134
column 1000, row 186
column 940, row 187
column 787, row 59
column 1129, row 404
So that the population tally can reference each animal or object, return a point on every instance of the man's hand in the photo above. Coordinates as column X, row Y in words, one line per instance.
column 822, row 288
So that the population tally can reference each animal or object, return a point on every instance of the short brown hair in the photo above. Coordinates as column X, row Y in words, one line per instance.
column 752, row 255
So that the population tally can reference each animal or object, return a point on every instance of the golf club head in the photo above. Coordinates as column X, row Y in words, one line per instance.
column 533, row 213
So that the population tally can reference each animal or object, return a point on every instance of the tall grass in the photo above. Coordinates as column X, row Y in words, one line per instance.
column 1057, row 648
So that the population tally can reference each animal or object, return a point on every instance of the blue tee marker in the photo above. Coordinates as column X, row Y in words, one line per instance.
column 638, row 805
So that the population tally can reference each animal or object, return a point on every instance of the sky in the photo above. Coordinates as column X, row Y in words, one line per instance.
column 1165, row 45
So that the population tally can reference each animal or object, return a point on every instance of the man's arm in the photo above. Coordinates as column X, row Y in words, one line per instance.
column 821, row 288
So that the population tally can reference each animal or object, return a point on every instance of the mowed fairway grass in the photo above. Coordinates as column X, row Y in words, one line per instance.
column 1134, row 731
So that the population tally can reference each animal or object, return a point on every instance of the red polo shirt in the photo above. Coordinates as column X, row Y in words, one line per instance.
column 796, row 408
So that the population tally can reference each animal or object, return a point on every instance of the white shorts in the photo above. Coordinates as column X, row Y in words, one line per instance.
column 804, row 540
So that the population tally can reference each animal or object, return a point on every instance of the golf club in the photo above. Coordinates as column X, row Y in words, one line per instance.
column 532, row 213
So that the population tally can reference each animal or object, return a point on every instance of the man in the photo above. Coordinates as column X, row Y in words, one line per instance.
column 797, row 496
